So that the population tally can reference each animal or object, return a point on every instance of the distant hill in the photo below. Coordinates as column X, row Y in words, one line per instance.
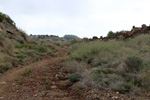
column 70, row 37
column 46, row 37
column 53, row 37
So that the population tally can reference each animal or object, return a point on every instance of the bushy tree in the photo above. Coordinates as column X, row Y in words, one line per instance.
column 7, row 18
column 2, row 17
column 110, row 35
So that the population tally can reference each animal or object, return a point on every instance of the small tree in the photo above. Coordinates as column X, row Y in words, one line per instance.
column 110, row 35
column 7, row 18
column 2, row 17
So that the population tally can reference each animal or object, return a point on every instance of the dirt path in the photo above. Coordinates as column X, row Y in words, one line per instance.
column 11, row 75
column 46, row 81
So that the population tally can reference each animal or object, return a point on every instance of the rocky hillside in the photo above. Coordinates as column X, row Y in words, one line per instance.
column 119, row 35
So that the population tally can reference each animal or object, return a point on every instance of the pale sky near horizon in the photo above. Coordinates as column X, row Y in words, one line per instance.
column 84, row 18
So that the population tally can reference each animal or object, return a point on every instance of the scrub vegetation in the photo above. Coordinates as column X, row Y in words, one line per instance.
column 122, row 66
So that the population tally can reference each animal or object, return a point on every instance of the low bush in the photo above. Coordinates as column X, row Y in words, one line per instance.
column 125, row 87
column 5, row 68
column 42, row 49
column 21, row 62
column 100, row 76
column 102, row 71
column 75, row 77
column 23, row 34
column 99, row 61
column 145, row 80
column 74, row 67
column 2, row 17
column 113, row 65
column 20, row 46
column 134, row 64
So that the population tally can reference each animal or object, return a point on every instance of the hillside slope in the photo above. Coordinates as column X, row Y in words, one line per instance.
column 16, row 48
column 111, row 67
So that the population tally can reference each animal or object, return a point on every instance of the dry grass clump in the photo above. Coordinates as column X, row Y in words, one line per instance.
column 74, row 67
column 5, row 62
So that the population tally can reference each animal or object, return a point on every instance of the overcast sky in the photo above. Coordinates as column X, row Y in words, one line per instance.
column 84, row 18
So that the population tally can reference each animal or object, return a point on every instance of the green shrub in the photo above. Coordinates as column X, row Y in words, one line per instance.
column 112, row 65
column 21, row 41
column 102, row 71
column 74, row 41
column 145, row 80
column 2, row 17
column 135, row 79
column 134, row 64
column 20, row 54
column 74, row 66
column 9, row 20
column 21, row 62
column 100, row 63
column 110, row 35
column 23, row 34
column 47, row 84
column 5, row 68
column 89, row 60
column 125, row 87
column 75, row 77
column 20, row 46
column 42, row 49
column 99, row 76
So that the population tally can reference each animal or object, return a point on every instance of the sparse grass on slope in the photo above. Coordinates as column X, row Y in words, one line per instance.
column 16, row 48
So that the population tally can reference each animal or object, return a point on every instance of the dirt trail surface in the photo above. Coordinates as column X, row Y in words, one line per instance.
column 43, row 80
column 8, row 77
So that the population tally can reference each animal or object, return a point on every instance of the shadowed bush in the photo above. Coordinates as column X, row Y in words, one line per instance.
column 134, row 64
column 73, row 78
column 125, row 87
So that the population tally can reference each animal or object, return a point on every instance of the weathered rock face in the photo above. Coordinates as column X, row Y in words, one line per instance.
column 136, row 31
column 94, row 38
column 126, row 34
